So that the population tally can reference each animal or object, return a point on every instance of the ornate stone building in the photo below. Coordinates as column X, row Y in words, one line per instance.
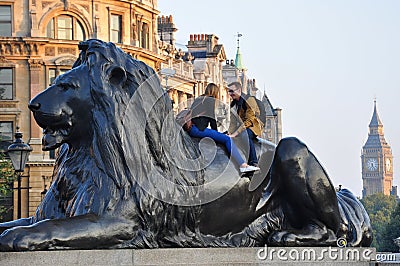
column 38, row 41
column 177, row 70
column 208, row 56
column 377, row 160
column 273, row 126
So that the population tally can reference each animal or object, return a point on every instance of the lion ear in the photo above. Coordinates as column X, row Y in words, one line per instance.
column 117, row 76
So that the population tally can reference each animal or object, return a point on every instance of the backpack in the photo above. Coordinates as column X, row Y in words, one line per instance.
column 261, row 107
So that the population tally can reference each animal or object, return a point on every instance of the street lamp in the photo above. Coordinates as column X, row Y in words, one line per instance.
column 18, row 152
column 167, row 72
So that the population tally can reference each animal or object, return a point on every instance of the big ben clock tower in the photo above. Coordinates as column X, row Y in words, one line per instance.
column 377, row 160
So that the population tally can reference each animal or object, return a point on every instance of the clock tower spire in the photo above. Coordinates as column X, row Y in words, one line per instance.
column 375, row 126
column 377, row 160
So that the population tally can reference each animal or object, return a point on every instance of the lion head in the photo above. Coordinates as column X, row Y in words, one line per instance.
column 108, row 115
column 63, row 111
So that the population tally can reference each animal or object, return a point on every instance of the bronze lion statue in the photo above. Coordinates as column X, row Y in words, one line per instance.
column 127, row 176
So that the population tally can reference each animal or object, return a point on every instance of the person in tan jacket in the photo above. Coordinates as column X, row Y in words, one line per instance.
column 203, row 115
column 244, row 119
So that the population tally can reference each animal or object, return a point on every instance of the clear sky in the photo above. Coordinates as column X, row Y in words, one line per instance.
column 321, row 61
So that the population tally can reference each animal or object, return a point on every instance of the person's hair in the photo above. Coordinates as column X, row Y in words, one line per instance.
column 212, row 90
column 237, row 84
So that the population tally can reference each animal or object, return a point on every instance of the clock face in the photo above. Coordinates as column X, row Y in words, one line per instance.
column 388, row 164
column 372, row 164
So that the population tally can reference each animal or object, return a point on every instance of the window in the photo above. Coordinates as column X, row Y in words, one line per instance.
column 66, row 28
column 116, row 28
column 53, row 73
column 50, row 29
column 52, row 76
column 144, row 42
column 6, row 198
column 6, row 201
column 6, row 131
column 269, row 123
column 6, row 135
column 5, row 21
column 6, row 83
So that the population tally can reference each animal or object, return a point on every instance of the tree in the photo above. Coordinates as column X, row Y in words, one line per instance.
column 7, row 177
column 379, row 208
column 391, row 232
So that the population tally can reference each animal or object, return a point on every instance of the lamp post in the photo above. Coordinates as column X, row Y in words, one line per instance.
column 167, row 72
column 18, row 152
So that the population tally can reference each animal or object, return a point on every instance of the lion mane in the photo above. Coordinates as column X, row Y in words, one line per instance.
column 125, row 171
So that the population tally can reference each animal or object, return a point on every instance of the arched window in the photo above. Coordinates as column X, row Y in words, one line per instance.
column 66, row 28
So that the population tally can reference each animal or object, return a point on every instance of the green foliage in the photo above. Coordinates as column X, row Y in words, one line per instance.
column 7, row 176
column 380, row 209
column 391, row 232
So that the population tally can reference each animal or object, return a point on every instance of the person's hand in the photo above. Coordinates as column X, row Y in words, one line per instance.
column 233, row 135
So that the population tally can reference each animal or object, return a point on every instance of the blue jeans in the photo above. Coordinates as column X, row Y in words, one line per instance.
column 248, row 136
column 220, row 138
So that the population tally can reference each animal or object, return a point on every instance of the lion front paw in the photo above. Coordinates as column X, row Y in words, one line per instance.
column 17, row 239
column 6, row 242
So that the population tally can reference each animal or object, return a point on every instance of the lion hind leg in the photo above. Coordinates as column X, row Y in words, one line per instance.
column 355, row 223
column 308, row 195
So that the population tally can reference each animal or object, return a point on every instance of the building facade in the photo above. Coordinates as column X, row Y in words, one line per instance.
column 176, row 72
column 39, row 41
column 377, row 160
column 208, row 56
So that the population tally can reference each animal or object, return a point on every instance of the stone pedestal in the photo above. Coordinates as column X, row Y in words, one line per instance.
column 195, row 256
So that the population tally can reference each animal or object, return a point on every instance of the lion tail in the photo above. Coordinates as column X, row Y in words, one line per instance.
column 355, row 224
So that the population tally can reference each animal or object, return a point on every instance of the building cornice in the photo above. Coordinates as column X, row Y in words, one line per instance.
column 15, row 47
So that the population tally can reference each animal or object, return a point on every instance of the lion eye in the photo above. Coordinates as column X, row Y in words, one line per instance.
column 64, row 86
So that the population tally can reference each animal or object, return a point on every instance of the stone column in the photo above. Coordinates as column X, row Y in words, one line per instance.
column 35, row 69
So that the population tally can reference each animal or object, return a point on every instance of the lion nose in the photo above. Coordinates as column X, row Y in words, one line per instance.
column 34, row 106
